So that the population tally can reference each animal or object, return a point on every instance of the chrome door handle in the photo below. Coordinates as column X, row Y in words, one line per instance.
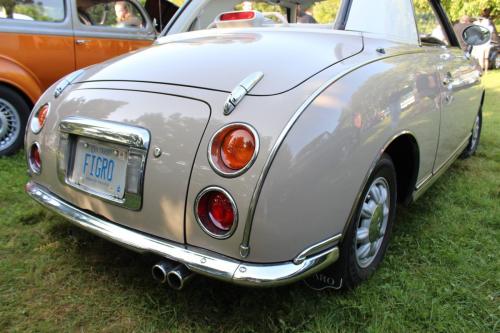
column 81, row 41
column 448, row 78
column 445, row 56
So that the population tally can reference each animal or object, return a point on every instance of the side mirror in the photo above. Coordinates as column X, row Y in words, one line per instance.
column 476, row 35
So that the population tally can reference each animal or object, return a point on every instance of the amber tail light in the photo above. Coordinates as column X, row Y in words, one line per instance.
column 216, row 212
column 39, row 118
column 233, row 149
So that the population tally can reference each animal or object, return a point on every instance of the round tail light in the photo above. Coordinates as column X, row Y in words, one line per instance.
column 35, row 160
column 39, row 118
column 216, row 212
column 233, row 149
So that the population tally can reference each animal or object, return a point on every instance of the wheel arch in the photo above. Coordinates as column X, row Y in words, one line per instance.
column 393, row 147
column 19, row 91
column 20, row 79
column 405, row 155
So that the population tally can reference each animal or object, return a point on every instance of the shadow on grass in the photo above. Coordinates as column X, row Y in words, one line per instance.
column 204, row 300
column 208, row 303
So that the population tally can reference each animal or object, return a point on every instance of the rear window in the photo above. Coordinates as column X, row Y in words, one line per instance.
column 29, row 10
column 319, row 12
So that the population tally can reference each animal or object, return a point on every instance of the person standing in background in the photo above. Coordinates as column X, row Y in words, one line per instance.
column 305, row 15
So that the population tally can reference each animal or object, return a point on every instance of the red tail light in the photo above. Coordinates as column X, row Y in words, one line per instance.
column 233, row 149
column 35, row 160
column 216, row 212
column 236, row 16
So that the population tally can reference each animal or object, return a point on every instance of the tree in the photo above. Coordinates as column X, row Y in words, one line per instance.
column 457, row 8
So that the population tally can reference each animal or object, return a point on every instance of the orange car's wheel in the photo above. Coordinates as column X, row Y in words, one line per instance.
column 14, row 112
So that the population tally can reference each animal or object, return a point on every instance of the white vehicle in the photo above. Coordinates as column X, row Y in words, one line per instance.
column 256, row 149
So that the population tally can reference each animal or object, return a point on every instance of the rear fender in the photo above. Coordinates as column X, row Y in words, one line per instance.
column 16, row 75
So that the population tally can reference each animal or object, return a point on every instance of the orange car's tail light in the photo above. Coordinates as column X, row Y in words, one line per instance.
column 233, row 149
column 237, row 16
column 35, row 159
column 39, row 118
column 216, row 212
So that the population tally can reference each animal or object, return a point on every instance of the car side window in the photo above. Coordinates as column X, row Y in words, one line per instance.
column 39, row 10
column 429, row 26
column 116, row 14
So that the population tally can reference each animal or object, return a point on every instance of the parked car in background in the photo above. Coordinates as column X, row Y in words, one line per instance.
column 45, row 40
column 494, row 56
column 258, row 150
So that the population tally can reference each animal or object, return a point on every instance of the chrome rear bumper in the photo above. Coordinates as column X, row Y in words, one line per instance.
column 198, row 260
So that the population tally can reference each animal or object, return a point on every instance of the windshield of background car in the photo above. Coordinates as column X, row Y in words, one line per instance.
column 319, row 12
column 40, row 10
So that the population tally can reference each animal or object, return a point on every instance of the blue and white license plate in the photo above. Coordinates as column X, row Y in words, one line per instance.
column 100, row 168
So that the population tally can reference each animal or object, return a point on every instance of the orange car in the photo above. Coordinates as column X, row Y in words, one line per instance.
column 43, row 40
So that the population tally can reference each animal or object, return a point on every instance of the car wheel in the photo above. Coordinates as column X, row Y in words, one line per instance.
column 14, row 112
column 369, row 230
column 474, row 138
column 368, row 233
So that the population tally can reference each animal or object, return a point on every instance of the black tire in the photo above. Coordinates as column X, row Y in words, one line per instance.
column 475, row 137
column 352, row 272
column 494, row 62
column 14, row 113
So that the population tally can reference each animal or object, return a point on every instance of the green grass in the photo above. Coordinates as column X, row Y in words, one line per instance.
column 441, row 273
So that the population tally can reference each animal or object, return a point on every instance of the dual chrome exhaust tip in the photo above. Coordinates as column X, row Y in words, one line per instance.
column 176, row 275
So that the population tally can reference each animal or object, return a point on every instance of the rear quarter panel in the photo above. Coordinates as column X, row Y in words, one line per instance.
column 321, row 167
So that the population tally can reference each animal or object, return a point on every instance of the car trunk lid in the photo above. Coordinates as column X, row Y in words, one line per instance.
column 220, row 59
column 175, row 125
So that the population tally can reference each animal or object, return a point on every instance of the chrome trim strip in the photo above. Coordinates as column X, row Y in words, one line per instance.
column 245, row 244
column 66, row 81
column 233, row 205
column 426, row 184
column 271, row 275
column 327, row 243
column 453, row 155
column 198, row 260
column 119, row 133
column 238, row 93
column 233, row 173
column 423, row 181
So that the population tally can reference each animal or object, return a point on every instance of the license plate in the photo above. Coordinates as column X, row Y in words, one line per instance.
column 100, row 168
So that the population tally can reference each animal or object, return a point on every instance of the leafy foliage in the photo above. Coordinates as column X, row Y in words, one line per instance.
column 38, row 11
column 457, row 8
column 326, row 11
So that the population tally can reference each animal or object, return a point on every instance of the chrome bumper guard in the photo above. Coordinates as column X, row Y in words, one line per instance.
column 197, row 260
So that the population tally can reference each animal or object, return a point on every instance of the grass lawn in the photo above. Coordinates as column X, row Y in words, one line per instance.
column 441, row 272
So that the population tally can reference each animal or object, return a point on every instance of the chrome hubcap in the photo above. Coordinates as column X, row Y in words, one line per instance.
column 475, row 132
column 372, row 223
column 10, row 124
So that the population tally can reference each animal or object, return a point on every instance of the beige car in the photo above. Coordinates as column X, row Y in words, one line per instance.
column 265, row 145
